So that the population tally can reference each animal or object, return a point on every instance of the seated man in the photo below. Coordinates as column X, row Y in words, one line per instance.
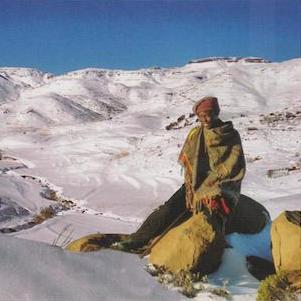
column 214, row 166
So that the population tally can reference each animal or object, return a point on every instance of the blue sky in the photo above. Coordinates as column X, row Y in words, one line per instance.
column 60, row 36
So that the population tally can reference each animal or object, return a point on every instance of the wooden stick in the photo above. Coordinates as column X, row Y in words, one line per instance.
column 156, row 240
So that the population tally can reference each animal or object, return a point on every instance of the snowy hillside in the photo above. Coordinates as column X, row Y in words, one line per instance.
column 98, row 149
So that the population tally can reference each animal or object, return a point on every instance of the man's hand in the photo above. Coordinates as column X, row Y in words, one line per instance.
column 211, row 182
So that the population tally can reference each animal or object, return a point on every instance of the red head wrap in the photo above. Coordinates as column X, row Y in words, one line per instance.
column 207, row 103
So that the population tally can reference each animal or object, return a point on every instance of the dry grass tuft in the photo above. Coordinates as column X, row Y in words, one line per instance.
column 188, row 283
column 44, row 214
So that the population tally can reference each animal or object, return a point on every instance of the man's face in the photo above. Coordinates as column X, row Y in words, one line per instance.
column 207, row 118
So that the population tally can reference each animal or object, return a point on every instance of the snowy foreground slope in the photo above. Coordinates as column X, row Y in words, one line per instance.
column 105, row 142
column 35, row 271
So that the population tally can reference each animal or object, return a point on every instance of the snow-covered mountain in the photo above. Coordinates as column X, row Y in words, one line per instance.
column 104, row 145
column 96, row 94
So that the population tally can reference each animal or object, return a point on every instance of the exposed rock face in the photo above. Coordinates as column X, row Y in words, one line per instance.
column 230, row 59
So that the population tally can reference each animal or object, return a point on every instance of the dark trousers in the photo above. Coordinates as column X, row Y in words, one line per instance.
column 162, row 217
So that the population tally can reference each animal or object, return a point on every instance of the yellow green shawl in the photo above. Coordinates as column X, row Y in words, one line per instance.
column 226, row 164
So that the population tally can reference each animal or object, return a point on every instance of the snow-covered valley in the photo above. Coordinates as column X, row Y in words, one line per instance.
column 100, row 148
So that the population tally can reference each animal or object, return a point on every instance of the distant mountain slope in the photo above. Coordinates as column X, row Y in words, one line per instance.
column 87, row 95
column 14, row 79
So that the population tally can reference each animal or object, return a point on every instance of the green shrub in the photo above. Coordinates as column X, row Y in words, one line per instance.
column 276, row 288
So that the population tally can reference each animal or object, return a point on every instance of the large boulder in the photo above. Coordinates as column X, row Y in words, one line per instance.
column 196, row 245
column 286, row 245
column 95, row 242
column 249, row 217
